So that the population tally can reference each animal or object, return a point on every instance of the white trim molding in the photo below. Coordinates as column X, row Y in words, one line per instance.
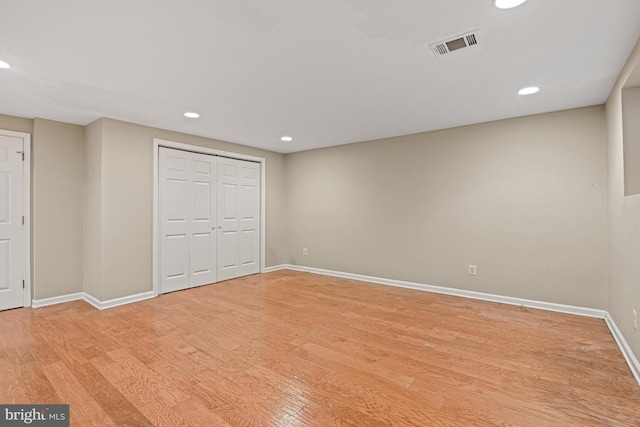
column 101, row 305
column 276, row 268
column 631, row 359
column 89, row 299
column 561, row 308
column 37, row 303
column 26, row 212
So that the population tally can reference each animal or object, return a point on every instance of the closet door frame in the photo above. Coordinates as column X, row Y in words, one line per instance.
column 157, row 238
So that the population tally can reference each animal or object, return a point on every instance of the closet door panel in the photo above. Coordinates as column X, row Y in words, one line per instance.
column 248, row 239
column 187, row 198
column 238, row 213
column 203, row 264
column 228, row 250
column 174, row 219
column 250, row 218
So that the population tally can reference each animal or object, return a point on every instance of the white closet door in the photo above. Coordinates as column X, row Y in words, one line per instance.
column 202, row 216
column 11, row 266
column 187, row 219
column 238, row 218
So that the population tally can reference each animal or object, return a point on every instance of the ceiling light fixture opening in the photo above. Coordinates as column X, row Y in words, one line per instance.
column 507, row 4
column 528, row 90
column 4, row 65
column 191, row 115
column 286, row 138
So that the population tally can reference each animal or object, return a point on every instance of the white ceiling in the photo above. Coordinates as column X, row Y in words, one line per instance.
column 325, row 72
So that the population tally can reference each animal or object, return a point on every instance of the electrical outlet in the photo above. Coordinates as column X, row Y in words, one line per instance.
column 635, row 319
column 473, row 270
column 305, row 252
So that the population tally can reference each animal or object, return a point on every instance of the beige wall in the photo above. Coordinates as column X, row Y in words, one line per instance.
column 16, row 124
column 125, row 211
column 523, row 199
column 93, row 209
column 624, row 220
column 57, row 211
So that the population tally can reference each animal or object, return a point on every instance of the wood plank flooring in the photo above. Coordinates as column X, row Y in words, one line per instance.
column 298, row 349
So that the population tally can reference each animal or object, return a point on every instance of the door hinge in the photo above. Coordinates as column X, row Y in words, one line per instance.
column 23, row 284
column 22, row 219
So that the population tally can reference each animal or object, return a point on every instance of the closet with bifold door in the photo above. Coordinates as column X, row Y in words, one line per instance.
column 209, row 217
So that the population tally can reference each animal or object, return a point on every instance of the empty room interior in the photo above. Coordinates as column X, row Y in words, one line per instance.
column 295, row 213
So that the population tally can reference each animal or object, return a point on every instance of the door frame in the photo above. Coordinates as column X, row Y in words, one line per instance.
column 157, row 239
column 26, row 211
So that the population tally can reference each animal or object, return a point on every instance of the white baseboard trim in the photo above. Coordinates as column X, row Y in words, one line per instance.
column 561, row 308
column 90, row 299
column 275, row 268
column 37, row 303
column 631, row 359
column 101, row 305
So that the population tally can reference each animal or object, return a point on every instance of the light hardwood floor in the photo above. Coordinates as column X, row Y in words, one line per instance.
column 297, row 349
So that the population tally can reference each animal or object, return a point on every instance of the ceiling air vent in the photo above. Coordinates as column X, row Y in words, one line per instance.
column 455, row 43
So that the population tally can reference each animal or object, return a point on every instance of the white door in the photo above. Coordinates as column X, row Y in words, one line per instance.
column 12, row 292
column 238, row 218
column 187, row 199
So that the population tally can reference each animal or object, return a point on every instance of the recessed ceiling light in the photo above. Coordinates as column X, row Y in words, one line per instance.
column 191, row 115
column 4, row 65
column 528, row 90
column 507, row 4
column 286, row 138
